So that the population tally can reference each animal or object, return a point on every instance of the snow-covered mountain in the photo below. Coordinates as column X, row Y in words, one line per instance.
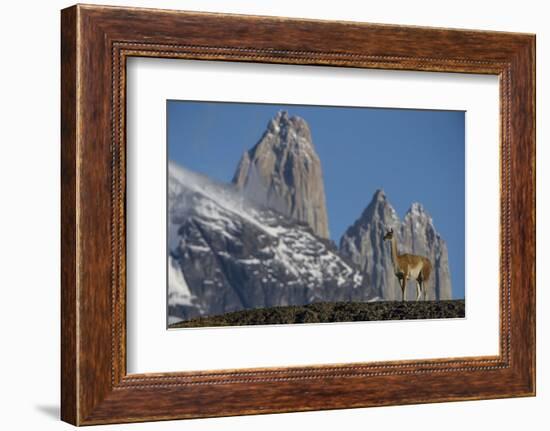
column 228, row 253
column 283, row 172
column 363, row 244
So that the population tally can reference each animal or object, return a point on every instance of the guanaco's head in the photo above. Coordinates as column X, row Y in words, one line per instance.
column 389, row 235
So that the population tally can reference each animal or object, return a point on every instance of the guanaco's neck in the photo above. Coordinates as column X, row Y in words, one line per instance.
column 394, row 254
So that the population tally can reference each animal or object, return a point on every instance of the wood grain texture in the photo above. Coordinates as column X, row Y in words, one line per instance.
column 96, row 41
column 69, row 397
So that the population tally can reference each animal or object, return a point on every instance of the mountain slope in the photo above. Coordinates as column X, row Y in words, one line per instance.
column 233, row 254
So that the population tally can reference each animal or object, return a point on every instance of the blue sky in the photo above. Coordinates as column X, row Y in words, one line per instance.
column 414, row 155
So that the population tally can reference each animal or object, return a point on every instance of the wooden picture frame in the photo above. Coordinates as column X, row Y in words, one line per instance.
column 95, row 43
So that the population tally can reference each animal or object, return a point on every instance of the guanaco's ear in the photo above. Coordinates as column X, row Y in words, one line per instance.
column 391, row 229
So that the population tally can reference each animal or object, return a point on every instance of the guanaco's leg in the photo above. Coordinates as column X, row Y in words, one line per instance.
column 418, row 288
column 423, row 290
column 403, row 285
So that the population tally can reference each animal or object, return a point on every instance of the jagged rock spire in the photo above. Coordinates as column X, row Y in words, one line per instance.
column 283, row 172
column 363, row 245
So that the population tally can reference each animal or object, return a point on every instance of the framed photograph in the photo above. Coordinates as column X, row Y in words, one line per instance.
column 322, row 214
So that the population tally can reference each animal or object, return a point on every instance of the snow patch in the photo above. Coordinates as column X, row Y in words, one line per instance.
column 178, row 290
